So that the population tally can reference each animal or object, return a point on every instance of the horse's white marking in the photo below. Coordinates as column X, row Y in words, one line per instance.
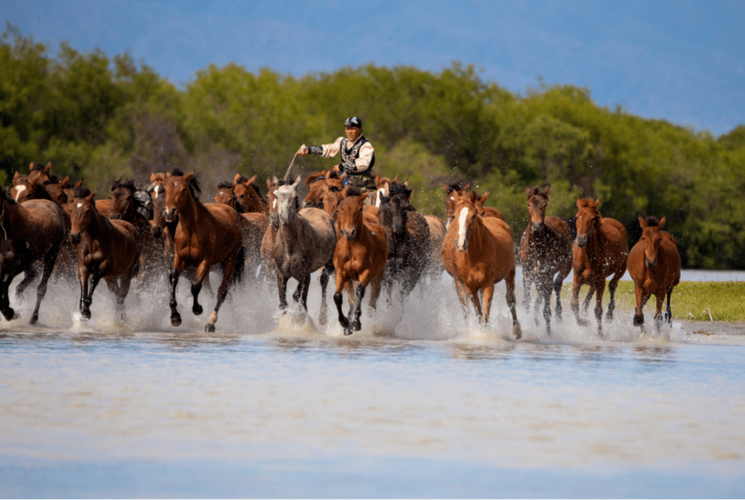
column 80, row 205
column 379, row 195
column 462, row 227
column 157, row 190
column 452, row 198
column 19, row 190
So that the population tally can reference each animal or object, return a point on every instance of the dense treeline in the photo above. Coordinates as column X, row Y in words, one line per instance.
column 99, row 118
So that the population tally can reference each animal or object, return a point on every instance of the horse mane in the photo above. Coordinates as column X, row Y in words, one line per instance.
column 193, row 184
column 652, row 221
column 175, row 171
column 396, row 189
column 225, row 185
column 128, row 184
column 82, row 192
column 353, row 191
column 455, row 186
column 536, row 190
column 37, row 166
column 284, row 182
column 6, row 194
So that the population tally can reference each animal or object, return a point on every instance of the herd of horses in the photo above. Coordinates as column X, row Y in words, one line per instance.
column 364, row 238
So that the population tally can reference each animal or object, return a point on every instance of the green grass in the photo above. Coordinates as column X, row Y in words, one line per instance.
column 690, row 299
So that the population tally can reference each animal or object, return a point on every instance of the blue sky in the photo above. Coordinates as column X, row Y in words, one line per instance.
column 682, row 61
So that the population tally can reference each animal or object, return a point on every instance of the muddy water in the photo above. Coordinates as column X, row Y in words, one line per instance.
column 421, row 403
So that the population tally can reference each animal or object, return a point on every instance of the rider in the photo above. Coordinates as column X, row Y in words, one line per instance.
column 357, row 153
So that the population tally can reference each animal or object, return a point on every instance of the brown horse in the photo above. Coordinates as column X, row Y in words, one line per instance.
column 247, row 195
column 25, row 188
column 545, row 252
column 31, row 232
column 124, row 206
column 39, row 173
column 304, row 242
column 599, row 251
column 205, row 235
column 360, row 256
column 107, row 249
column 458, row 188
column 654, row 265
column 271, row 200
column 478, row 253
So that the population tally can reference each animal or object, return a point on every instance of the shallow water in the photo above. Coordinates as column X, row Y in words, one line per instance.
column 418, row 404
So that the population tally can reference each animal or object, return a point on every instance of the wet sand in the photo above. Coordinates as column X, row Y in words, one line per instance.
column 714, row 327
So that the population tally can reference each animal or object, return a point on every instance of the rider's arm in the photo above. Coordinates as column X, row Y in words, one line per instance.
column 327, row 150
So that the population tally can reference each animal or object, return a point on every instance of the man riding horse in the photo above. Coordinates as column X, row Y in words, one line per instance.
column 357, row 153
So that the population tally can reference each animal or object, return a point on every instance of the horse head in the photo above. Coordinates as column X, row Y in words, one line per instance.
column 39, row 173
column 122, row 200
column 334, row 192
column 226, row 196
column 465, row 213
column 23, row 188
column 82, row 214
column 181, row 193
column 451, row 190
column 652, row 238
column 58, row 189
column 393, row 208
column 537, row 202
column 157, row 192
column 271, row 199
column 383, row 188
column 287, row 201
column 349, row 212
column 247, row 195
column 588, row 219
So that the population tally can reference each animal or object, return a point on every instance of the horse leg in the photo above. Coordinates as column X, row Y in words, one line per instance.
column 612, row 288
column 29, row 275
column 546, row 291
column 527, row 283
column 203, row 271
column 323, row 314
column 476, row 302
column 639, row 311
column 93, row 279
column 49, row 259
column 460, row 288
column 222, row 291
column 599, row 306
column 487, row 297
column 173, row 280
column 658, row 318
column 359, row 294
column 282, row 289
column 558, row 283
column 306, row 287
column 586, row 302
column 375, row 287
column 669, row 311
column 5, row 281
column 509, row 281
column 539, row 286
column 576, row 286
column 338, row 300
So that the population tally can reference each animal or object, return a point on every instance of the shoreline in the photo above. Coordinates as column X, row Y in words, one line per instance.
column 713, row 327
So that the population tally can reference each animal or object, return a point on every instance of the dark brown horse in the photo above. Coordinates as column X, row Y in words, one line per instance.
column 545, row 253
column 478, row 253
column 31, row 233
column 654, row 265
column 360, row 256
column 247, row 195
column 599, row 251
column 124, row 205
column 408, row 239
column 107, row 249
column 206, row 235
column 304, row 242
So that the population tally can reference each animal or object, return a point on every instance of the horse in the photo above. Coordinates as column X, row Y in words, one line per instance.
column 304, row 242
column 248, row 196
column 31, row 232
column 382, row 188
column 408, row 240
column 108, row 249
column 360, row 256
column 545, row 252
column 478, row 253
column 600, row 250
column 124, row 205
column 39, row 173
column 654, row 265
column 25, row 188
column 205, row 235
column 271, row 200
column 458, row 188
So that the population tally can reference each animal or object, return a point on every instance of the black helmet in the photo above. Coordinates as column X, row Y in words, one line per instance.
column 353, row 121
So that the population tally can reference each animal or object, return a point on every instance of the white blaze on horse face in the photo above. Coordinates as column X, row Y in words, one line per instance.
column 462, row 220
column 19, row 189
column 285, row 197
column 157, row 190
column 80, row 205
column 378, row 195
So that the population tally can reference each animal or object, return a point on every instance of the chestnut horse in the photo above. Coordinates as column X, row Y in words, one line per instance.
column 107, row 249
column 205, row 235
column 600, row 250
column 654, row 265
column 31, row 232
column 545, row 252
column 247, row 195
column 478, row 253
column 458, row 188
column 304, row 242
column 360, row 256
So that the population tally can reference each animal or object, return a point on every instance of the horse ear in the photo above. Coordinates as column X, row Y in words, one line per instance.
column 597, row 202
column 16, row 176
column 31, row 166
column 269, row 184
column 153, row 177
column 528, row 191
column 545, row 191
column 91, row 196
column 48, row 168
column 395, row 179
column 662, row 223
column 473, row 196
column 188, row 176
column 251, row 180
column 364, row 195
column 235, row 179
column 579, row 202
column 275, row 180
column 64, row 181
column 296, row 183
column 80, row 183
column 641, row 222
column 466, row 187
column 482, row 200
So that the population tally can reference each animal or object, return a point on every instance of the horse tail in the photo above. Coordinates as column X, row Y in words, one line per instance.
column 240, row 267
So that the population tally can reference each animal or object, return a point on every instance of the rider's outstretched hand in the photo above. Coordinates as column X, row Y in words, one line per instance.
column 303, row 150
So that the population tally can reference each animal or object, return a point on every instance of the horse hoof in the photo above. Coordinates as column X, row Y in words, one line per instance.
column 344, row 322
column 347, row 331
column 582, row 322
column 209, row 328
column 9, row 313
column 516, row 331
column 197, row 309
column 638, row 320
column 175, row 320
column 86, row 314
column 34, row 320
column 356, row 326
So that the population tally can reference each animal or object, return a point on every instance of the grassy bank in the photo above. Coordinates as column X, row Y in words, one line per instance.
column 691, row 300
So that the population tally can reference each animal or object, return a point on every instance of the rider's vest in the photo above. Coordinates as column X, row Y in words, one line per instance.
column 348, row 156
